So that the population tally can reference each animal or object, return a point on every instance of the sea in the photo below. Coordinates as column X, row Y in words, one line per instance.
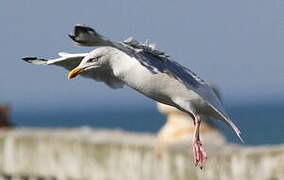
column 260, row 123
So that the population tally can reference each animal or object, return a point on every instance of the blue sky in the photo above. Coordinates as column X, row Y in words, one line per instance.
column 239, row 45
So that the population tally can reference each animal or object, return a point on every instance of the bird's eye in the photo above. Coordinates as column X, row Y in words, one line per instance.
column 91, row 60
column 94, row 59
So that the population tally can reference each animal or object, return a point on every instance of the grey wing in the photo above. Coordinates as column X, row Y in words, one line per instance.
column 87, row 36
column 70, row 61
column 191, row 80
column 157, row 61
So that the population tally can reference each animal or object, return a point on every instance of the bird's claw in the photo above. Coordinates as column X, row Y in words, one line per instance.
column 199, row 154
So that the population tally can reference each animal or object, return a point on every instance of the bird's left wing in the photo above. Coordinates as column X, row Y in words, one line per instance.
column 70, row 61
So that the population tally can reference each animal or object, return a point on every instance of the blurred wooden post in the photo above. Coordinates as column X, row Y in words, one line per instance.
column 179, row 129
column 175, row 116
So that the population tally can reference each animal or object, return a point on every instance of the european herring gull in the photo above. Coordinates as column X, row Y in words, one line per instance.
column 147, row 70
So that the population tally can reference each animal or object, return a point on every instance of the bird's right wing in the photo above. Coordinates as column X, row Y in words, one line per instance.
column 87, row 36
column 70, row 61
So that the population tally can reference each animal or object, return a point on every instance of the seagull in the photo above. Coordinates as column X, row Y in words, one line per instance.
column 147, row 70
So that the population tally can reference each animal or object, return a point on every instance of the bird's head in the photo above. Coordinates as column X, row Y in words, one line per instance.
column 98, row 58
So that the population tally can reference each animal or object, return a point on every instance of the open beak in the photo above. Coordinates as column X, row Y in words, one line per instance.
column 75, row 72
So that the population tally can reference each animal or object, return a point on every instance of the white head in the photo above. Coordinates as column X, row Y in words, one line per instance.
column 98, row 58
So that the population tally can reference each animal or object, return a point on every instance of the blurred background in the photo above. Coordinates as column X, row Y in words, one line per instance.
column 238, row 45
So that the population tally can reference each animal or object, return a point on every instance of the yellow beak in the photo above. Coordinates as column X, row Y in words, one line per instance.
column 75, row 72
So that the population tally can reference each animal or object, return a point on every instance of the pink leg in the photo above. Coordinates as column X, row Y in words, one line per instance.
column 199, row 153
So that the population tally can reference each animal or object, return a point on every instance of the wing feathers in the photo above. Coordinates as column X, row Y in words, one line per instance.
column 228, row 122
column 70, row 61
column 34, row 60
column 87, row 36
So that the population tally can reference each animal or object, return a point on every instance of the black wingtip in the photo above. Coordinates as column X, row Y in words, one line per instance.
column 82, row 27
column 72, row 37
column 79, row 28
column 28, row 59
